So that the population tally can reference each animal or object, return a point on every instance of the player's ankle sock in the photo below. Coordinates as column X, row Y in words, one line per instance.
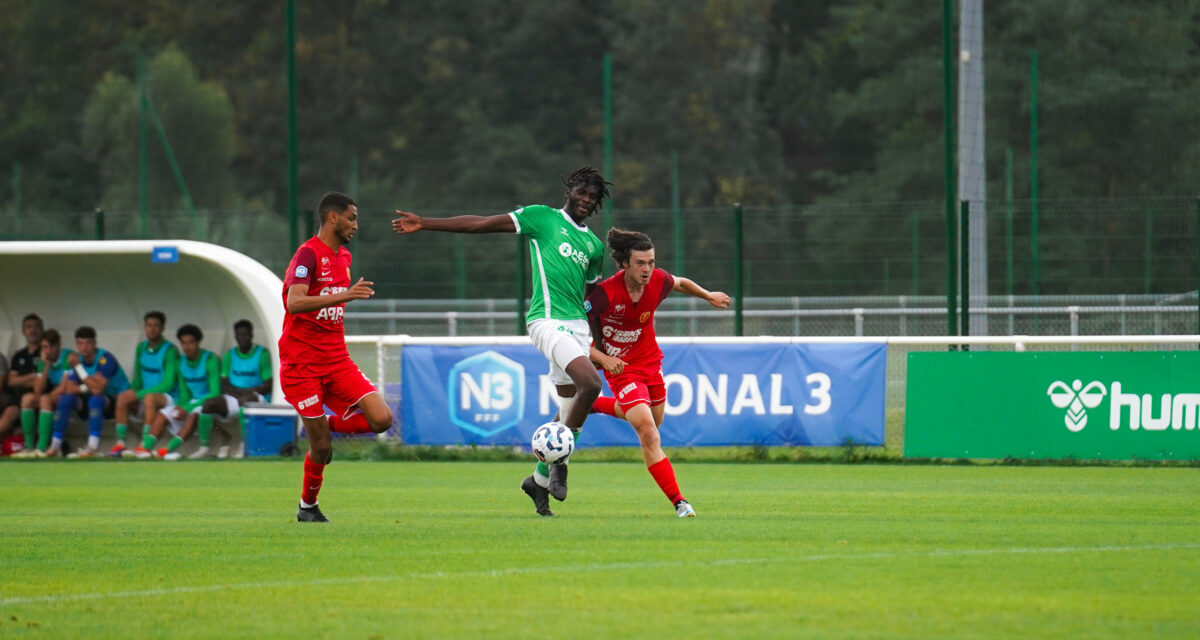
column 313, row 477
column 56, row 443
column 205, row 429
column 605, row 405
column 93, row 442
column 356, row 423
column 28, row 428
column 148, row 441
column 45, row 426
column 174, row 444
column 541, row 475
column 664, row 475
column 122, row 429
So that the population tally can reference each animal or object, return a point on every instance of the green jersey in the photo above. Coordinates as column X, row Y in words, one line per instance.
column 199, row 379
column 155, row 369
column 564, row 257
column 247, row 371
column 55, row 374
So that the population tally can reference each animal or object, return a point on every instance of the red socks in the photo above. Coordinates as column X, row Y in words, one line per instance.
column 605, row 405
column 356, row 423
column 312, row 480
column 664, row 475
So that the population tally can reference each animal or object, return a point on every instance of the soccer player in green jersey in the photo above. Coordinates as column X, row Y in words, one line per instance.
column 155, row 381
column 566, row 259
column 246, row 376
column 199, row 381
column 52, row 364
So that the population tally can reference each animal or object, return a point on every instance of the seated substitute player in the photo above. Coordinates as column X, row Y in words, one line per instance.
column 52, row 366
column 199, row 381
column 91, row 388
column 315, row 367
column 246, row 376
column 621, row 310
column 566, row 259
column 21, row 381
column 155, row 382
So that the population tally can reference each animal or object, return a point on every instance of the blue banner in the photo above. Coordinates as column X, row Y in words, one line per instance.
column 717, row 394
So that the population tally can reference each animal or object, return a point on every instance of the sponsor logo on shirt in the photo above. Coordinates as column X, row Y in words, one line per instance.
column 614, row 334
column 578, row 257
column 308, row 402
column 626, row 389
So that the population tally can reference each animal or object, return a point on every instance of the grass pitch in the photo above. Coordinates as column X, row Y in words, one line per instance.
column 212, row 549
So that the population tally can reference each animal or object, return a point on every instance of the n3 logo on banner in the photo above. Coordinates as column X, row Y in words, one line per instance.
column 487, row 393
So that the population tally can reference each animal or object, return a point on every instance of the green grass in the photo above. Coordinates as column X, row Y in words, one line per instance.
column 451, row 549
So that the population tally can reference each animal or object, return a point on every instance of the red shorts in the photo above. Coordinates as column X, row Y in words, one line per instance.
column 634, row 386
column 338, row 385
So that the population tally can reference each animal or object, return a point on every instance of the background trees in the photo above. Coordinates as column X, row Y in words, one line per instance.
column 482, row 104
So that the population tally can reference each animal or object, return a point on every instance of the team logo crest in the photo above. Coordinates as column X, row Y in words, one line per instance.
column 1076, row 399
column 644, row 317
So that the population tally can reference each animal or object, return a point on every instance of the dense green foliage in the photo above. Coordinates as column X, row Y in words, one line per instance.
column 134, row 550
column 483, row 105
column 457, row 104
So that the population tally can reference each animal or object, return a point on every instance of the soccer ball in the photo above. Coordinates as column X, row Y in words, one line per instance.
column 552, row 442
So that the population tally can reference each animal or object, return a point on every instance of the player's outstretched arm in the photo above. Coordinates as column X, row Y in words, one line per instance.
column 718, row 299
column 298, row 300
column 406, row 222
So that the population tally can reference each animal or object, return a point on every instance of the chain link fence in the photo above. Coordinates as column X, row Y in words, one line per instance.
column 1105, row 247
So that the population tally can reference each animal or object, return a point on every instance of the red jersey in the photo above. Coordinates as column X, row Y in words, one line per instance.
column 315, row 336
column 628, row 326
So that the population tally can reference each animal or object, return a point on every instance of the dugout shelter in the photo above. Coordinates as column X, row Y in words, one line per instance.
column 111, row 284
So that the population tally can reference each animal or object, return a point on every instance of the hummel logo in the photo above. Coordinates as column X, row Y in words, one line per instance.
column 1074, row 399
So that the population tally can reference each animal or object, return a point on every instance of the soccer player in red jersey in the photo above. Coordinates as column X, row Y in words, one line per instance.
column 621, row 312
column 315, row 369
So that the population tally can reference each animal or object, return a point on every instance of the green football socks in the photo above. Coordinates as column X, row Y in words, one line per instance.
column 205, row 428
column 28, row 428
column 45, row 428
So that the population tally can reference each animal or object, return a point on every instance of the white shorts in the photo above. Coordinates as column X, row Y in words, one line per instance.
column 561, row 341
column 232, row 405
column 140, row 412
column 175, row 425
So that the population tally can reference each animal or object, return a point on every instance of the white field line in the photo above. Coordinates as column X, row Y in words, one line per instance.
column 516, row 571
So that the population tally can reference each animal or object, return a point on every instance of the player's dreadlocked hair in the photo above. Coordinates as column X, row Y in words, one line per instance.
column 623, row 242
column 589, row 176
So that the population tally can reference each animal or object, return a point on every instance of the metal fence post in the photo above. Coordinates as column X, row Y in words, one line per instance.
column 964, row 234
column 738, row 307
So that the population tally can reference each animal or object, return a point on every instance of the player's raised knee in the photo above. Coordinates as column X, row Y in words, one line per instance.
column 380, row 422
